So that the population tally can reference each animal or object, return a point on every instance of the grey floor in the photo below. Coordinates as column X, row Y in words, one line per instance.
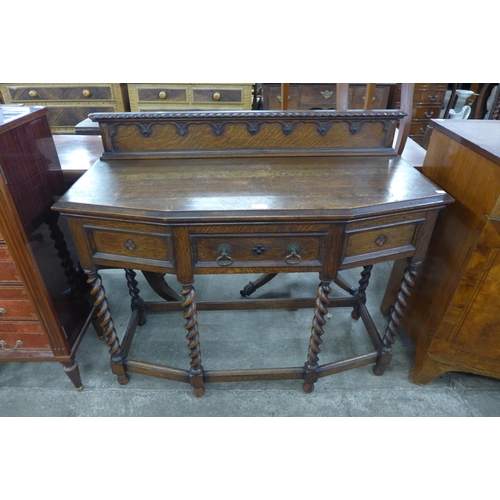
column 243, row 339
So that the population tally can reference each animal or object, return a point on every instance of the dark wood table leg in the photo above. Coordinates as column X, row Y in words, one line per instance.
column 107, row 325
column 397, row 312
column 320, row 310
column 360, row 293
column 73, row 373
column 193, row 337
column 137, row 302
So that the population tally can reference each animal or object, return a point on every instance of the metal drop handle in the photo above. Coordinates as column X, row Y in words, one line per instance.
column 293, row 256
column 224, row 259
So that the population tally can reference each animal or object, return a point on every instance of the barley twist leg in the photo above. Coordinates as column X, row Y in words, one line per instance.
column 397, row 313
column 107, row 325
column 320, row 310
column 360, row 293
column 133, row 289
column 193, row 337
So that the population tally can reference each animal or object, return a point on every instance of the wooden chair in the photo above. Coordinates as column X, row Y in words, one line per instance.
column 342, row 105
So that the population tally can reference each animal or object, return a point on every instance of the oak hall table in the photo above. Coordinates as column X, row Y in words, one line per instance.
column 188, row 193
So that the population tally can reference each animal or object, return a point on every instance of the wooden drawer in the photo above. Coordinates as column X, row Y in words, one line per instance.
column 379, row 100
column 425, row 112
column 429, row 93
column 418, row 127
column 217, row 95
column 37, row 93
column 8, row 271
column 149, row 246
column 161, row 94
column 379, row 238
column 15, row 304
column 264, row 250
column 22, row 335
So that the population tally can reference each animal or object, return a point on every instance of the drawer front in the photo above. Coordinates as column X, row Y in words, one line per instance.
column 18, row 336
column 263, row 250
column 274, row 97
column 321, row 96
column 429, row 94
column 60, row 93
column 217, row 95
column 15, row 304
column 380, row 239
column 379, row 100
column 162, row 94
column 151, row 248
column 9, row 272
column 422, row 112
column 68, row 116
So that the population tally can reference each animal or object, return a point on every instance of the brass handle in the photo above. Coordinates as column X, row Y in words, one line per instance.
column 326, row 93
column 433, row 98
column 423, row 130
column 279, row 98
column 2, row 310
column 216, row 96
column 293, row 256
column 162, row 95
column 364, row 97
column 3, row 344
column 224, row 259
column 86, row 93
column 33, row 93
column 427, row 114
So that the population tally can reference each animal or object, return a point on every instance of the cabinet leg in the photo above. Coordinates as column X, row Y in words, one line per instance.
column 107, row 326
column 193, row 337
column 133, row 289
column 425, row 370
column 320, row 310
column 360, row 293
column 391, row 331
column 73, row 373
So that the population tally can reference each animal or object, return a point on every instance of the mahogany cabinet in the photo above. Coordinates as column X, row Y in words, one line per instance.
column 44, row 310
column 67, row 103
column 454, row 320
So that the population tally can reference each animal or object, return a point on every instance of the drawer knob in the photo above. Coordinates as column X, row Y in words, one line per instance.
column 130, row 245
column 162, row 94
column 381, row 240
column 258, row 249
column 433, row 98
column 216, row 96
column 2, row 310
column 293, row 256
column 86, row 93
column 3, row 345
column 224, row 259
column 33, row 93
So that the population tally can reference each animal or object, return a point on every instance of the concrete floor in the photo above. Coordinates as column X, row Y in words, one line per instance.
column 243, row 339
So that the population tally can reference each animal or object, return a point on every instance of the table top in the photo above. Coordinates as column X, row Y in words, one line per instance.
column 250, row 189
column 481, row 136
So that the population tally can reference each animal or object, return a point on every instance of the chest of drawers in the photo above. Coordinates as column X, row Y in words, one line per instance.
column 43, row 308
column 190, row 96
column 305, row 96
column 67, row 103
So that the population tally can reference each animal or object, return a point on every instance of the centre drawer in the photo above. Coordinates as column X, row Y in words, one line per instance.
column 246, row 250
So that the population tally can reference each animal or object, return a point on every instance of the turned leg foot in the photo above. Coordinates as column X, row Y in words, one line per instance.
column 73, row 372
column 312, row 364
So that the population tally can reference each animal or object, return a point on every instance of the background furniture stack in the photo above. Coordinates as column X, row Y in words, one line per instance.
column 43, row 309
